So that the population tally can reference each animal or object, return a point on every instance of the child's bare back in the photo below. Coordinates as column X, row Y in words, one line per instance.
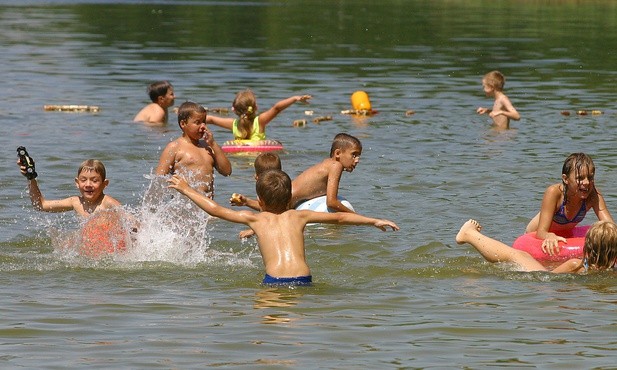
column 281, row 242
column 324, row 177
column 151, row 114
column 313, row 182
column 280, row 231
column 162, row 96
column 502, row 111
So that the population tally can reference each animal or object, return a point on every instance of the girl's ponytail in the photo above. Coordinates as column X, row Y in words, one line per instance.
column 245, row 107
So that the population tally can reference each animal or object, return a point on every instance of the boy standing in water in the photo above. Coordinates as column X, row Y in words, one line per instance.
column 162, row 95
column 90, row 182
column 279, row 230
column 195, row 154
column 503, row 110
column 324, row 177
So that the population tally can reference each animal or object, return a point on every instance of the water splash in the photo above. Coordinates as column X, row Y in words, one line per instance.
column 165, row 227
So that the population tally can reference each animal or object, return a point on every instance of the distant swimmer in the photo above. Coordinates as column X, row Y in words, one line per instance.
column 161, row 94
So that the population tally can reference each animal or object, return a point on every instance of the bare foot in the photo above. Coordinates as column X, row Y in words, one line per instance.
column 468, row 226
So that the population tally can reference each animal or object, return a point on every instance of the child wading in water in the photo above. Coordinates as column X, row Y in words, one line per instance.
column 599, row 252
column 324, row 177
column 249, row 125
column 565, row 204
column 161, row 94
column 503, row 110
column 279, row 230
column 91, row 181
column 195, row 154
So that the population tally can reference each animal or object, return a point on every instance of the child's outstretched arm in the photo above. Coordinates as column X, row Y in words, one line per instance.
column 344, row 218
column 224, row 122
column 277, row 108
column 241, row 200
column 41, row 204
column 209, row 205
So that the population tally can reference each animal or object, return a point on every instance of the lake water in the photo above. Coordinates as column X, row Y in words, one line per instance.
column 409, row 299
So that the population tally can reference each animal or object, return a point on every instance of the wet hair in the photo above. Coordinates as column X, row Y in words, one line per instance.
column 274, row 189
column 158, row 88
column 344, row 141
column 245, row 106
column 93, row 165
column 267, row 161
column 574, row 164
column 187, row 108
column 495, row 79
column 600, row 248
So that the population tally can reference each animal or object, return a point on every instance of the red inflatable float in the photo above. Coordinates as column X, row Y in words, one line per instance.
column 103, row 233
column 572, row 248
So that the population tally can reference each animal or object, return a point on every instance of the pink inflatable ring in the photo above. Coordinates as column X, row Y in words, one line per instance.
column 572, row 248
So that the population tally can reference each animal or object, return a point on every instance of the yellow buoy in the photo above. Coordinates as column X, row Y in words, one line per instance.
column 360, row 101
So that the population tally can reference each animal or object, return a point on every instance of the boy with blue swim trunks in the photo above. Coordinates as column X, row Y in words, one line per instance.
column 279, row 230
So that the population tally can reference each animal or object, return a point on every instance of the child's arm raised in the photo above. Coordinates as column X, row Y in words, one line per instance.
column 277, row 108
column 41, row 204
column 38, row 201
column 345, row 218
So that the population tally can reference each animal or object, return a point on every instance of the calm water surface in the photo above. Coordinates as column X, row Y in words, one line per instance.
column 188, row 296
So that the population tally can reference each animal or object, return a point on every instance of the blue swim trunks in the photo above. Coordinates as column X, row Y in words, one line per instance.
column 298, row 280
